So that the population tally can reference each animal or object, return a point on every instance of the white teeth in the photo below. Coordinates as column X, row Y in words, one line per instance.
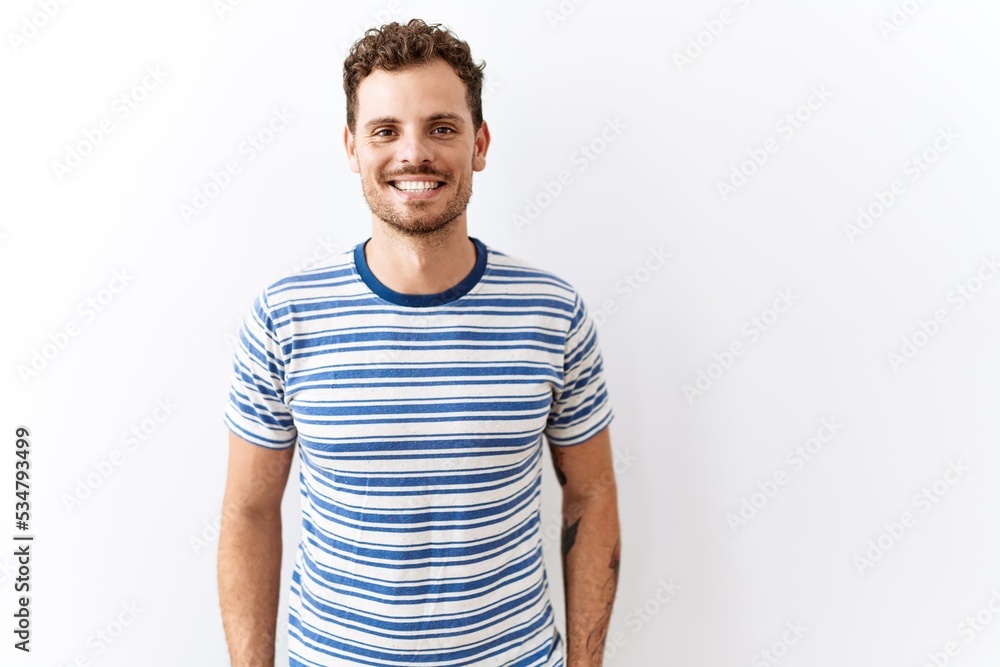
column 415, row 186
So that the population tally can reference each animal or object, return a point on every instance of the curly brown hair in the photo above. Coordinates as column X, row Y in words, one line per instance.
column 394, row 47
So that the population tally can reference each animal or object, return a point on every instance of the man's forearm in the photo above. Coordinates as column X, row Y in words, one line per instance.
column 249, row 573
column 591, row 548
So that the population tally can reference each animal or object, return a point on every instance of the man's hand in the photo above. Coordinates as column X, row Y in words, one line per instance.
column 250, row 550
column 591, row 545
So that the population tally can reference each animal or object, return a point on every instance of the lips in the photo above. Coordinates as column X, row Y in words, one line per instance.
column 417, row 190
column 416, row 186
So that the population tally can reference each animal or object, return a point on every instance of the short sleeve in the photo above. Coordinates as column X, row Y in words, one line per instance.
column 256, row 409
column 582, row 408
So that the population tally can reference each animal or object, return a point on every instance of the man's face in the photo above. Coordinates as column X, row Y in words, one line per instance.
column 415, row 147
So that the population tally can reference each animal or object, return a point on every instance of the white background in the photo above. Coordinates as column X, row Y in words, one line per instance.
column 144, row 537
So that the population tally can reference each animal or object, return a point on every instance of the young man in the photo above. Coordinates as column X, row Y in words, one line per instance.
column 418, row 373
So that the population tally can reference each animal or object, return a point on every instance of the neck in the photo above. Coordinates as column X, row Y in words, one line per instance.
column 425, row 264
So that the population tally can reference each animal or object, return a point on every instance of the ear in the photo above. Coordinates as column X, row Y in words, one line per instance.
column 352, row 153
column 482, row 145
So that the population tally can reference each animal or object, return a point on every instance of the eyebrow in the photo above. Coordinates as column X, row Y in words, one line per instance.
column 389, row 120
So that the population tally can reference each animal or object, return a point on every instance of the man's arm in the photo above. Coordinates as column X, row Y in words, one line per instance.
column 591, row 545
column 250, row 550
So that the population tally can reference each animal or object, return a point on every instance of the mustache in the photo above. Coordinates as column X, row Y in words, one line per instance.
column 422, row 171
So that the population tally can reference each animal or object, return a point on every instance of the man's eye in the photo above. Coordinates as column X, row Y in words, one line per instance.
column 444, row 128
column 378, row 133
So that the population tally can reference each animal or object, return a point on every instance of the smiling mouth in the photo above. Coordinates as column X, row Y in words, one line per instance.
column 416, row 186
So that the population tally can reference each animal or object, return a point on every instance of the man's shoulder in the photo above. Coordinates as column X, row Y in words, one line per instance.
column 322, row 276
column 509, row 270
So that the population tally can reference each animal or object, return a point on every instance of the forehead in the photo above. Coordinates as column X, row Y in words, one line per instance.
column 417, row 91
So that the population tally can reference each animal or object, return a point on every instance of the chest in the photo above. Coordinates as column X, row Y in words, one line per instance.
column 394, row 394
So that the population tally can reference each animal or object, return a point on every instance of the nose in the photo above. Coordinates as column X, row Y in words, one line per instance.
column 414, row 148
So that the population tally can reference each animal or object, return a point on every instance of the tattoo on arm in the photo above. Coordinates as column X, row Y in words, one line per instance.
column 568, row 538
column 557, row 460
column 598, row 636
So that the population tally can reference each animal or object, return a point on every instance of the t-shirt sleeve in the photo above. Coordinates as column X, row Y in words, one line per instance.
column 582, row 408
column 256, row 409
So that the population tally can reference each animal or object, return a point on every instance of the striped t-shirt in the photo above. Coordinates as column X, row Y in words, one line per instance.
column 419, row 421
